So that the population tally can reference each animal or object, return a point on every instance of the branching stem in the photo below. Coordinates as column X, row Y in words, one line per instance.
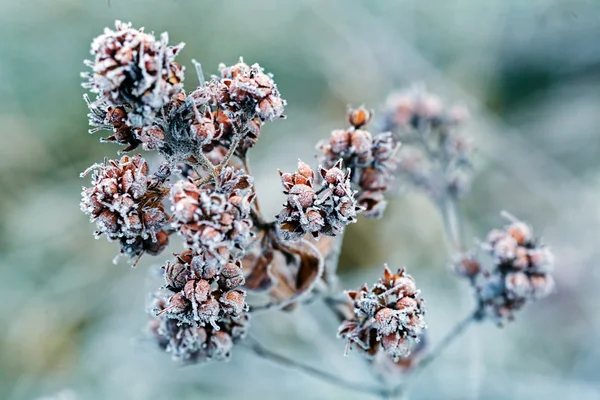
column 325, row 376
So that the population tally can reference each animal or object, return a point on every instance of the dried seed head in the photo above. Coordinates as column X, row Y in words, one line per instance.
column 387, row 316
column 305, row 212
column 132, row 68
column 520, row 273
column 126, row 204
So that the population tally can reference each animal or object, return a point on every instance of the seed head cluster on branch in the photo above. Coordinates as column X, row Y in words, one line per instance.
column 202, row 191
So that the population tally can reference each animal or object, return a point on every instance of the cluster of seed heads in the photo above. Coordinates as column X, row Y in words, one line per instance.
column 520, row 272
column 371, row 158
column 436, row 156
column 201, row 310
column 388, row 317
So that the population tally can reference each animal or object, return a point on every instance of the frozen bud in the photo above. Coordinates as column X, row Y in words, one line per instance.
column 542, row 285
column 505, row 249
column 373, row 202
column 359, row 117
column 234, row 301
column 176, row 304
column 541, row 258
column 339, row 141
column 386, row 321
column 395, row 346
column 207, row 270
column 208, row 311
column 520, row 231
column 306, row 171
column 467, row 266
column 518, row 285
column 303, row 194
column 232, row 275
column 176, row 275
column 220, row 345
column 372, row 179
column 270, row 108
column 333, row 176
column 407, row 304
column 361, row 142
column 152, row 137
column 521, row 260
column 405, row 285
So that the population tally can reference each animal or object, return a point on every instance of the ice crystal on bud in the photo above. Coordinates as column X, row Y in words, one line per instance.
column 125, row 202
column 371, row 159
column 388, row 317
column 214, row 220
column 520, row 272
column 307, row 211
column 133, row 69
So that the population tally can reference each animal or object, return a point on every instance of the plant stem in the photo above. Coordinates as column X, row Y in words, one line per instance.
column 325, row 376
column 452, row 225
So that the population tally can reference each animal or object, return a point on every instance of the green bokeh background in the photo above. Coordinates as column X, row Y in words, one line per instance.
column 528, row 70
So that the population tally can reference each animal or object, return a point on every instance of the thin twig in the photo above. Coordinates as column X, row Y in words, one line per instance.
column 325, row 376
column 452, row 224
column 255, row 204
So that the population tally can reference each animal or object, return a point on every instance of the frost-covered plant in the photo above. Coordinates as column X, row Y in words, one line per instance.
column 202, row 191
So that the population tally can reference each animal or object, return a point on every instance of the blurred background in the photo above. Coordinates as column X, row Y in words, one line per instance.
column 71, row 322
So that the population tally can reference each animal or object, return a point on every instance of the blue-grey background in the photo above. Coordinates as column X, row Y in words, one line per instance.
column 71, row 322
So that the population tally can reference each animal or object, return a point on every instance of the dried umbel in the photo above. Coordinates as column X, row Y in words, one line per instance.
column 134, row 70
column 308, row 211
column 125, row 202
column 372, row 159
column 388, row 317
column 435, row 155
column 520, row 272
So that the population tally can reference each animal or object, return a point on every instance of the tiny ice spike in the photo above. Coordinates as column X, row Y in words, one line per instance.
column 133, row 69
column 388, row 317
column 521, row 272
column 215, row 220
column 125, row 202
column 307, row 211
